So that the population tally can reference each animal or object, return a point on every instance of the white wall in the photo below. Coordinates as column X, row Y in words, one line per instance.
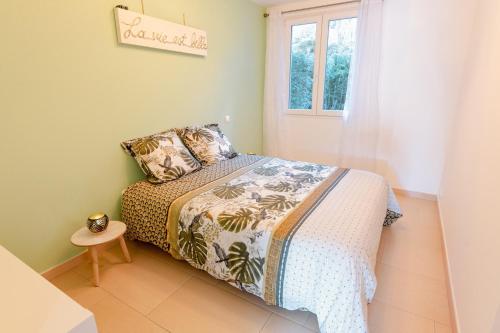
column 469, row 195
column 423, row 58
column 314, row 139
column 424, row 52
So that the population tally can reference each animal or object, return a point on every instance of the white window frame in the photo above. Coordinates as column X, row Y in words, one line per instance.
column 315, row 19
column 322, row 20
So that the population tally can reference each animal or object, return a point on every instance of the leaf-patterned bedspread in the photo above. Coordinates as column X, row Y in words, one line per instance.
column 225, row 229
column 298, row 235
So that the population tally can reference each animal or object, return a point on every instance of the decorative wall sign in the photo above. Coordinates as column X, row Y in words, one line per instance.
column 138, row 29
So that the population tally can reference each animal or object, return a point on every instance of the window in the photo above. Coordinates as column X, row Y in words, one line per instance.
column 302, row 59
column 320, row 51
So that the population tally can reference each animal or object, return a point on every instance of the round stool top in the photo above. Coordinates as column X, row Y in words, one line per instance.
column 84, row 237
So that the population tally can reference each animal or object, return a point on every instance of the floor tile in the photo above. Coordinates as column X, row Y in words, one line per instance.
column 419, row 213
column 384, row 318
column 429, row 238
column 429, row 212
column 107, row 258
column 148, row 252
column 80, row 289
column 200, row 274
column 312, row 323
column 414, row 257
column 245, row 295
column 278, row 324
column 84, row 269
column 297, row 316
column 144, row 284
column 440, row 328
column 409, row 207
column 201, row 307
column 413, row 293
column 112, row 316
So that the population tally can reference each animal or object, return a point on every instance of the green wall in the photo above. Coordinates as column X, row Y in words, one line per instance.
column 69, row 94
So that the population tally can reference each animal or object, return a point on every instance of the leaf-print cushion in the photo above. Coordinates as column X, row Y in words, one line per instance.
column 208, row 144
column 231, row 153
column 162, row 157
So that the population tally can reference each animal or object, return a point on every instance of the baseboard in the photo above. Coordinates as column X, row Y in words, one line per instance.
column 455, row 327
column 72, row 262
column 67, row 265
column 417, row 195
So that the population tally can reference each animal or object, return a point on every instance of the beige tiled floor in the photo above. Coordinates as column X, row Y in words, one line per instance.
column 158, row 294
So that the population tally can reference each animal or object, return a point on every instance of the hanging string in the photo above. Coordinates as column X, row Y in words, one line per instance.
column 183, row 14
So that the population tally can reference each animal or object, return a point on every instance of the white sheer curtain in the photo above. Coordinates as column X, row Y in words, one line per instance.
column 275, row 83
column 360, row 134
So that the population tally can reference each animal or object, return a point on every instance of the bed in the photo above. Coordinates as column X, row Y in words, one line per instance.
column 298, row 235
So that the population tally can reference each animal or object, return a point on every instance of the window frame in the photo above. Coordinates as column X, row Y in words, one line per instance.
column 322, row 20
column 289, row 23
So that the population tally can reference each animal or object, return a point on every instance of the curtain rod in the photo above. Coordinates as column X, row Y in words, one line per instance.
column 316, row 7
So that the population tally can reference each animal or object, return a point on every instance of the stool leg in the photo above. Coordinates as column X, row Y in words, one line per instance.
column 123, row 245
column 95, row 264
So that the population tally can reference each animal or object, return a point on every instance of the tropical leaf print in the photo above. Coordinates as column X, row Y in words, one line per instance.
column 226, row 152
column 306, row 167
column 202, row 134
column 174, row 173
column 259, row 217
column 229, row 191
column 204, row 155
column 277, row 202
column 166, row 137
column 198, row 219
column 244, row 269
column 306, row 178
column 193, row 246
column 267, row 171
column 189, row 159
column 146, row 146
column 168, row 151
column 237, row 221
column 145, row 167
column 280, row 187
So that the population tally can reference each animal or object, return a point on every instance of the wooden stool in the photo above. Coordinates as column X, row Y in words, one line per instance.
column 85, row 238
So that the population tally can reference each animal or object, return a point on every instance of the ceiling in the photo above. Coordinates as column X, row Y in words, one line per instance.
column 272, row 2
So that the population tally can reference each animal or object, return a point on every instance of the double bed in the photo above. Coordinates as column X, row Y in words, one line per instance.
column 298, row 235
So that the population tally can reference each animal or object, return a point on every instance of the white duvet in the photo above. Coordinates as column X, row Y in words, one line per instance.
column 330, row 268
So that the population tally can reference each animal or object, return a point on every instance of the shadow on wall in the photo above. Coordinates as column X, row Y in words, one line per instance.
column 385, row 169
column 133, row 174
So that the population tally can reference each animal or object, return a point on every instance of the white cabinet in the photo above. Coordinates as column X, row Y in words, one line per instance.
column 31, row 304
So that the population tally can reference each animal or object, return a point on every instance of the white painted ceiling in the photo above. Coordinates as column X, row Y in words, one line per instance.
column 272, row 2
